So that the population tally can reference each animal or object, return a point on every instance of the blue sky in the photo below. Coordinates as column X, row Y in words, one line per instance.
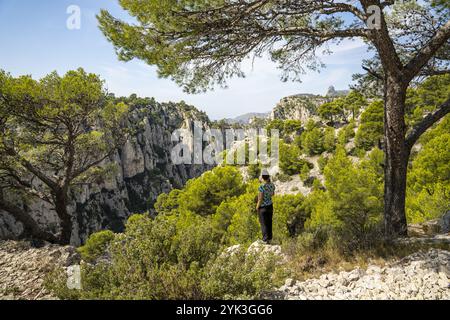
column 36, row 41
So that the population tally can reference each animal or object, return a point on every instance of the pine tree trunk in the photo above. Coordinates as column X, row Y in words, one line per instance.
column 396, row 162
column 66, row 218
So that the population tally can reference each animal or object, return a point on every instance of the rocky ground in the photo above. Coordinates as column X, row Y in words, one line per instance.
column 23, row 268
column 422, row 275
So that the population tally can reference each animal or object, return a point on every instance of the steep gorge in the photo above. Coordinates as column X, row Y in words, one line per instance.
column 143, row 171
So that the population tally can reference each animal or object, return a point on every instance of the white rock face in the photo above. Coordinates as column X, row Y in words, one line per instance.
column 132, row 159
column 299, row 107
column 417, row 277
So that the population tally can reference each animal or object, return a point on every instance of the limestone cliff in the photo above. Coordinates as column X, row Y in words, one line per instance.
column 299, row 107
column 143, row 171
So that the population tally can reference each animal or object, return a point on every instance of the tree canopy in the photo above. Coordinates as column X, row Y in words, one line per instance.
column 332, row 110
column 56, row 134
column 370, row 132
column 202, row 43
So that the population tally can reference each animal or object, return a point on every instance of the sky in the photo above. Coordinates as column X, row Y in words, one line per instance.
column 35, row 41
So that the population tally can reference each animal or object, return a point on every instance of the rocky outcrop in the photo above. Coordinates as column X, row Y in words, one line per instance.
column 422, row 275
column 23, row 268
column 431, row 227
column 258, row 248
column 444, row 223
column 332, row 92
column 143, row 171
column 299, row 107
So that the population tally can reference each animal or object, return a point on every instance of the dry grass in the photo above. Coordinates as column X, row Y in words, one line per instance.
column 306, row 263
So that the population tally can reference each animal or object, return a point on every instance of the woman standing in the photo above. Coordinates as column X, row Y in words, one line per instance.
column 264, row 207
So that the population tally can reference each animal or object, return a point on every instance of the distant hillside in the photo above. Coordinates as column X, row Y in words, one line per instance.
column 246, row 118
column 332, row 92
column 304, row 106
column 300, row 106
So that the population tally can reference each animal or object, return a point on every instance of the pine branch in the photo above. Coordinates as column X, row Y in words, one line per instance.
column 427, row 122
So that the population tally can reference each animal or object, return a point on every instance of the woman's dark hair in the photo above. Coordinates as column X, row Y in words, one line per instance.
column 266, row 178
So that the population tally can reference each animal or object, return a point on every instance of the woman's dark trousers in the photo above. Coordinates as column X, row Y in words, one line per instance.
column 265, row 215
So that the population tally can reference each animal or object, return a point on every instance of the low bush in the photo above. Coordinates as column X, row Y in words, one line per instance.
column 241, row 275
column 254, row 171
column 96, row 245
column 290, row 161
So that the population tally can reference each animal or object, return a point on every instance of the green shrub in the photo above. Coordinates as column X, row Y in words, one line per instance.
column 282, row 177
column 177, row 257
column 422, row 205
column 313, row 141
column 56, row 282
column 426, row 97
column 168, row 203
column 241, row 275
column 160, row 258
column 276, row 124
column 304, row 172
column 289, row 216
column 196, row 240
column 428, row 193
column 353, row 102
column 311, row 241
column 322, row 162
column 329, row 139
column 96, row 245
column 351, row 206
column 368, row 135
column 317, row 185
column 204, row 194
column 285, row 127
column 346, row 133
column 290, row 161
column 127, row 280
column 254, row 171
column 356, row 194
column 244, row 226
column 292, row 126
column 319, row 206
column 309, row 182
column 370, row 132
